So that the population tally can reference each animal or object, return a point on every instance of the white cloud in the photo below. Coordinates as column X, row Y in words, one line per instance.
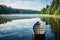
column 25, row 4
column 21, row 24
column 18, row 24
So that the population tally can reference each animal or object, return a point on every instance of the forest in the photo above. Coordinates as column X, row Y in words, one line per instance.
column 53, row 9
column 9, row 10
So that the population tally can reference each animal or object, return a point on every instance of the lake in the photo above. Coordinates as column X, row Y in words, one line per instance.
column 52, row 26
column 20, row 26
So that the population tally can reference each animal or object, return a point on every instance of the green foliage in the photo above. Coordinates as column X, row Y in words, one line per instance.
column 43, row 11
column 54, row 8
column 8, row 10
column 47, row 6
column 57, row 12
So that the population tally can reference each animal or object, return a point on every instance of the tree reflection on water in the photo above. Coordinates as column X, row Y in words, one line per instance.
column 54, row 25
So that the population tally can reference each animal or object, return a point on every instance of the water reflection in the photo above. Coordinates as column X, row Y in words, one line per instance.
column 17, row 29
column 22, row 29
column 52, row 27
column 9, row 17
column 49, row 35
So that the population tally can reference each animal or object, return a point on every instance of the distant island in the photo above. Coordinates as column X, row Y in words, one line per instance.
column 9, row 10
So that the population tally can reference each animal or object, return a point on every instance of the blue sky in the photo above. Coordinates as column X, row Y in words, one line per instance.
column 26, row 4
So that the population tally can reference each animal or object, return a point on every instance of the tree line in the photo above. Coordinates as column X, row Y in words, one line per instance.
column 54, row 8
column 8, row 10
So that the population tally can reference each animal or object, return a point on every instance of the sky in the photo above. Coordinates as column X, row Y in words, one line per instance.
column 26, row 4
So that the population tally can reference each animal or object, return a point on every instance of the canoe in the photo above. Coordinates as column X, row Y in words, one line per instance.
column 38, row 28
column 39, row 31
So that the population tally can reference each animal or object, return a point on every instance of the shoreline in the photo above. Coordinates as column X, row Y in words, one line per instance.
column 47, row 15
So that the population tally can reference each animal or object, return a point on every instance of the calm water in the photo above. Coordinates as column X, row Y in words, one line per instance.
column 52, row 26
column 9, row 17
column 19, row 27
